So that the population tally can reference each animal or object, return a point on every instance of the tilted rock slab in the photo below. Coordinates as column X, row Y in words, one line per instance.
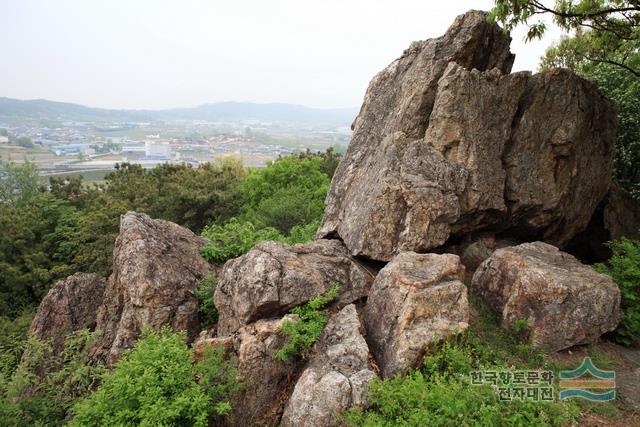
column 416, row 300
column 448, row 143
column 156, row 268
column 267, row 382
column 336, row 378
column 565, row 302
column 274, row 277
column 70, row 305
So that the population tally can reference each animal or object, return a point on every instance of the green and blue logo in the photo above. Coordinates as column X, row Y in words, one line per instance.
column 598, row 386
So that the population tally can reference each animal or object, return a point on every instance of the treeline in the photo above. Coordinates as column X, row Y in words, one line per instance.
column 54, row 230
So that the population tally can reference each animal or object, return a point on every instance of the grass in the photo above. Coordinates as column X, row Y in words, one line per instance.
column 441, row 392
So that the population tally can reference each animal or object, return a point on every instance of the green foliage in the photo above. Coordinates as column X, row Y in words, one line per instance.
column 329, row 160
column 46, row 384
column 157, row 383
column 207, row 312
column 624, row 269
column 307, row 328
column 24, row 141
column 288, row 192
column 37, row 244
column 440, row 393
column 606, row 31
column 420, row 399
column 19, row 184
column 234, row 239
column 13, row 340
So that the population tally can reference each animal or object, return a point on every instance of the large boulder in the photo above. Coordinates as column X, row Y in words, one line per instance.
column 156, row 268
column 564, row 302
column 416, row 300
column 336, row 377
column 70, row 305
column 274, row 277
column 447, row 143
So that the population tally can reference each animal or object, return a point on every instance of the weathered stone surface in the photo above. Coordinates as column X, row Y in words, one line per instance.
column 274, row 277
column 70, row 305
column 337, row 376
column 416, row 299
column 564, row 301
column 473, row 253
column 447, row 144
column 621, row 214
column 617, row 216
column 156, row 267
column 267, row 382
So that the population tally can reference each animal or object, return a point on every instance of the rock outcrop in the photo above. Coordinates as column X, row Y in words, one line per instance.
column 447, row 143
column 267, row 382
column 274, row 277
column 336, row 378
column 70, row 305
column 156, row 267
column 565, row 302
column 416, row 300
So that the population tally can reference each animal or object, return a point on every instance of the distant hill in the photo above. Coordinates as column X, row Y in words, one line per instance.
column 14, row 110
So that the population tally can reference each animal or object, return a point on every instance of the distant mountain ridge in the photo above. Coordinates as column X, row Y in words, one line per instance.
column 12, row 110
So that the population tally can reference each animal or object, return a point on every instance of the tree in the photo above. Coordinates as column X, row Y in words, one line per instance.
column 18, row 183
column 288, row 192
column 24, row 141
column 606, row 31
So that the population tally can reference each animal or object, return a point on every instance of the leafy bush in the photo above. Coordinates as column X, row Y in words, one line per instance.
column 234, row 239
column 307, row 328
column 207, row 312
column 440, row 392
column 46, row 384
column 237, row 237
column 422, row 400
column 13, row 340
column 624, row 269
column 156, row 383
column 288, row 192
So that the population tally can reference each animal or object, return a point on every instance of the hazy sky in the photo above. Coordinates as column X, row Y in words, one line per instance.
column 156, row 53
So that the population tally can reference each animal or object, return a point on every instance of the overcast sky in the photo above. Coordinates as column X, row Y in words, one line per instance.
column 157, row 53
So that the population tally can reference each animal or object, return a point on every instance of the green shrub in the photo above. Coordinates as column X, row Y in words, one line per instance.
column 307, row 328
column 288, row 192
column 156, row 384
column 234, row 239
column 440, row 392
column 624, row 269
column 207, row 312
column 46, row 384
column 13, row 340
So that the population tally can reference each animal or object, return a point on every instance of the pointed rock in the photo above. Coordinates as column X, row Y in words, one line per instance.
column 156, row 268
column 447, row 143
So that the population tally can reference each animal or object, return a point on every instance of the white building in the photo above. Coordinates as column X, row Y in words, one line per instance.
column 157, row 150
